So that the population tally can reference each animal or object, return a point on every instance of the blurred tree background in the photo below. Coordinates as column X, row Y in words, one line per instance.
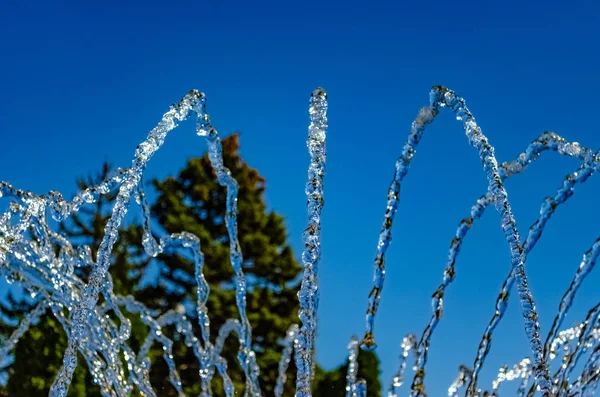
column 191, row 201
column 333, row 383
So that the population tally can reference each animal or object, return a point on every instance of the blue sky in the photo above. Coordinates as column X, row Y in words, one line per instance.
column 85, row 82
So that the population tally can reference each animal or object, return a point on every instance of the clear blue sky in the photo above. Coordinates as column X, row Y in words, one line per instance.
column 85, row 82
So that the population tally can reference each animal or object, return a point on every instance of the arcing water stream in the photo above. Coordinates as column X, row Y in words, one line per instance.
column 43, row 262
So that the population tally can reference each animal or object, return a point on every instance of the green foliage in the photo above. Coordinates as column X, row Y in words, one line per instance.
column 43, row 348
column 333, row 383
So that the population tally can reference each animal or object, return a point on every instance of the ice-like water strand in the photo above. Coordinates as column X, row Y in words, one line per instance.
column 207, row 357
column 449, row 275
column 157, row 335
column 354, row 387
column 186, row 240
column 246, row 355
column 90, row 295
column 408, row 343
column 572, row 359
column 588, row 381
column 352, row 367
column 289, row 345
column 426, row 116
column 584, row 340
column 308, row 296
column 464, row 375
column 522, row 370
column 43, row 263
column 546, row 141
column 24, row 325
column 360, row 388
column 586, row 266
column 562, row 341
column 548, row 208
column 128, row 182
column 442, row 97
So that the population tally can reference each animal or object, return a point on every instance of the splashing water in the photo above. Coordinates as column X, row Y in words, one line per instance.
column 28, row 254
